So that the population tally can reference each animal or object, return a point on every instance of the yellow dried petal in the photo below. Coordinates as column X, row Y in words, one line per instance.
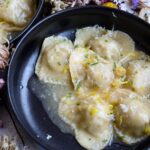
column 110, row 4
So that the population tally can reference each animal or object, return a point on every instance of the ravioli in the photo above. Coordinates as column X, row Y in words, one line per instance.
column 89, row 70
column 138, row 74
column 132, row 116
column 52, row 65
column 101, row 74
column 131, row 121
column 17, row 12
column 90, row 119
column 112, row 46
column 84, row 35
column 106, row 47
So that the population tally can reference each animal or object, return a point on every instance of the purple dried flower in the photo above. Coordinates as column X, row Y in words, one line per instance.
column 2, row 82
column 104, row 1
column 135, row 3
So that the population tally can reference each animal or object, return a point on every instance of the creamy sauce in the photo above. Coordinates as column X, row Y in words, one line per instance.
column 50, row 95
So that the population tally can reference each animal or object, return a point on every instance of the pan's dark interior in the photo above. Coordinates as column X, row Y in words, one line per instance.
column 26, row 106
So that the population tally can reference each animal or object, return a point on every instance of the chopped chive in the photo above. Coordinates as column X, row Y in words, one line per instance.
column 121, row 54
column 78, row 85
column 104, row 141
column 78, row 103
column 92, row 64
column 86, row 55
column 69, row 95
column 115, row 66
column 59, row 63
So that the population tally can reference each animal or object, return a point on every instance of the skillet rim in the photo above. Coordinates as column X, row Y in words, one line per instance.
column 50, row 17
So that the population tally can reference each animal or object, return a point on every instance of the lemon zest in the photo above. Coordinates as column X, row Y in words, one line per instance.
column 93, row 111
column 120, row 120
column 65, row 69
column 120, row 71
column 147, row 130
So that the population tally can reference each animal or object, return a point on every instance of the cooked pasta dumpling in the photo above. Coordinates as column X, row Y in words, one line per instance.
column 52, row 65
column 113, row 45
column 101, row 74
column 126, row 42
column 17, row 12
column 106, row 47
column 88, row 69
column 84, row 35
column 138, row 74
column 132, row 116
column 90, row 119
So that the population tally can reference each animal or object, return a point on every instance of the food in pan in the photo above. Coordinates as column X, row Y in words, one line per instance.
column 108, row 85
column 90, row 118
column 14, row 16
column 139, row 77
column 53, row 63
column 132, row 115
column 89, row 70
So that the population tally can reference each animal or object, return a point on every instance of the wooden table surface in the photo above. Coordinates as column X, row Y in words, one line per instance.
column 23, row 141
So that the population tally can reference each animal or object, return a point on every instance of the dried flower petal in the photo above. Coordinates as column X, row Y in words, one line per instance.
column 4, row 52
column 135, row 3
column 8, row 143
column 2, row 82
column 2, row 64
column 4, row 56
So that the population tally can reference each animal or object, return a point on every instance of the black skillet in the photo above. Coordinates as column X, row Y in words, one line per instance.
column 27, row 108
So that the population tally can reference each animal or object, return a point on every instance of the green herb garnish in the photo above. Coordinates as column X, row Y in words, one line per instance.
column 86, row 55
column 78, row 85
column 115, row 66
column 59, row 63
column 92, row 64
column 69, row 95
